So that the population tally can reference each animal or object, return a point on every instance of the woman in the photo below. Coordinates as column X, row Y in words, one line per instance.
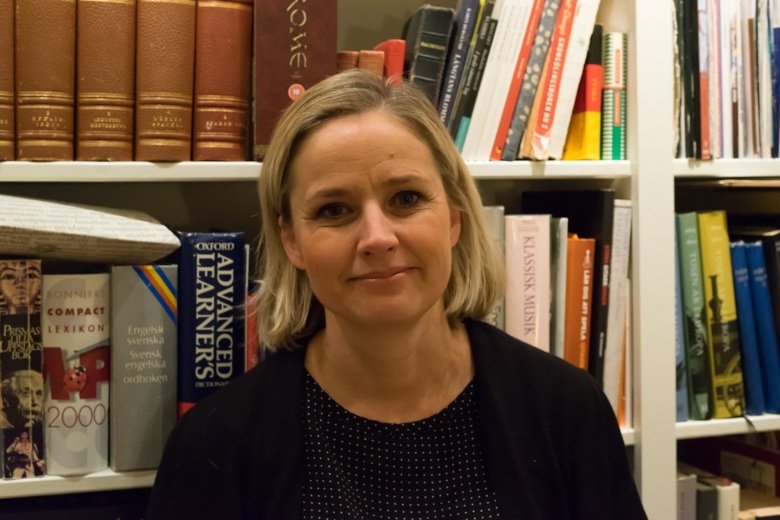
column 385, row 396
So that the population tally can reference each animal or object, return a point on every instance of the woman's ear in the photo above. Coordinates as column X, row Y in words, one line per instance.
column 290, row 243
column 455, row 220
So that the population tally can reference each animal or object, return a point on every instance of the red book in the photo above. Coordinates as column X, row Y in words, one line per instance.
column 295, row 47
column 223, row 46
column 394, row 49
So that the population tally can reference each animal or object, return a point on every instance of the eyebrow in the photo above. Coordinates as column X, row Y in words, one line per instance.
column 391, row 181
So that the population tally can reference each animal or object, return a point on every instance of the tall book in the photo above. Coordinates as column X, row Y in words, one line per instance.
column 105, row 70
column 372, row 61
column 748, row 342
column 466, row 14
column 77, row 357
column 686, row 496
column 583, row 138
column 705, row 49
column 559, row 245
column 527, row 254
column 580, row 264
column 681, row 375
column 223, row 58
column 212, row 291
column 427, row 34
column 7, row 131
column 591, row 214
column 613, row 101
column 495, row 223
column 144, row 304
column 698, row 360
column 394, row 50
column 294, row 48
column 45, row 68
column 165, row 61
column 723, row 338
column 21, row 369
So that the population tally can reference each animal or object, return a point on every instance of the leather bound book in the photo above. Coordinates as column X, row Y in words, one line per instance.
column 45, row 40
column 295, row 47
column 372, row 61
column 223, row 46
column 6, row 80
column 165, row 61
column 105, row 68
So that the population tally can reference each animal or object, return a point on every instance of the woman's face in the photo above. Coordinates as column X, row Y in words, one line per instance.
column 370, row 222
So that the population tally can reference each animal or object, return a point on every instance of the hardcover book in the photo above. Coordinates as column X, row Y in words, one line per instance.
column 105, row 66
column 466, row 14
column 372, row 61
column 223, row 50
column 144, row 303
column 165, row 61
column 212, row 291
column 294, row 48
column 427, row 35
column 45, row 68
column 21, row 369
column 7, row 121
column 580, row 263
column 76, row 341
column 681, row 376
column 394, row 50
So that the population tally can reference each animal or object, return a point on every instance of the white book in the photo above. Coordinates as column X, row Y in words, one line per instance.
column 560, row 234
column 727, row 49
column 715, row 77
column 494, row 219
column 527, row 309
column 497, row 77
column 764, row 79
column 584, row 20
column 749, row 118
column 616, row 314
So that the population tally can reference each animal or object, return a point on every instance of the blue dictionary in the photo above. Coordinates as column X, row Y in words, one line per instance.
column 765, row 327
column 681, row 372
column 751, row 364
column 212, row 292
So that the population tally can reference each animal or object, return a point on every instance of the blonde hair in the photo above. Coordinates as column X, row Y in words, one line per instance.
column 288, row 310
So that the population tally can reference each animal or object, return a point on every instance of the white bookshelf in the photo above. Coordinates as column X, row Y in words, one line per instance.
column 734, row 426
column 50, row 485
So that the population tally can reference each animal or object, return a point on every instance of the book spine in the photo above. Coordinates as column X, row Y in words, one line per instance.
column 165, row 60
column 223, row 46
column 211, row 328
column 495, row 222
column 372, row 61
column 765, row 327
column 76, row 340
column 346, row 60
column 679, row 350
column 721, row 310
column 394, row 49
column 294, row 48
column 751, row 364
column 465, row 20
column 583, row 138
column 105, row 67
column 613, row 102
column 697, row 356
column 7, row 121
column 715, row 50
column 427, row 45
column 21, row 369
column 560, row 234
column 144, row 304
column 579, row 279
column 704, row 78
column 45, row 67
column 527, row 246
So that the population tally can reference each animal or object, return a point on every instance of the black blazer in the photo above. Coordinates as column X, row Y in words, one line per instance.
column 551, row 442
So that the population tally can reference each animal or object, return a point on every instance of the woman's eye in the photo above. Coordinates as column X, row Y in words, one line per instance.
column 332, row 211
column 407, row 198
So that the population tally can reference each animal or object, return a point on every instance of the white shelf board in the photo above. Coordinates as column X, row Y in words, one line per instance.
column 106, row 480
column 131, row 171
column 718, row 427
column 549, row 169
column 689, row 168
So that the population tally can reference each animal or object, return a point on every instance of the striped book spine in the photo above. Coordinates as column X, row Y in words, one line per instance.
column 613, row 103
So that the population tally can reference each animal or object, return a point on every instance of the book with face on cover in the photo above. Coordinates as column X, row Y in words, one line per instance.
column 21, row 369
column 76, row 340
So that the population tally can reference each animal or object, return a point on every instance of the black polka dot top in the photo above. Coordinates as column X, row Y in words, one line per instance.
column 362, row 469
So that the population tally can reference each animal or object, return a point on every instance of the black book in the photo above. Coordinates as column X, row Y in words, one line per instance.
column 427, row 35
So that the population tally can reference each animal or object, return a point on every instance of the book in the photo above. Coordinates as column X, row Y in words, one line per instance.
column 686, row 496
column 21, row 369
column 105, row 91
column 212, row 290
column 559, row 245
column 45, row 68
column 144, row 303
column 591, row 215
column 372, row 61
column 394, row 50
column 427, row 35
column 466, row 13
column 613, row 101
column 721, row 317
column 527, row 254
column 347, row 59
column 308, row 33
column 748, row 342
column 55, row 230
column 7, row 121
column 165, row 62
column 704, row 77
column 77, row 359
column 681, row 371
column 580, row 265
column 583, row 138
column 495, row 223
column 223, row 59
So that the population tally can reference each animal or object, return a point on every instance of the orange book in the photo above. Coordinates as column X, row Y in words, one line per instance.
column 394, row 49
column 6, row 80
column 372, row 60
column 346, row 60
column 580, row 254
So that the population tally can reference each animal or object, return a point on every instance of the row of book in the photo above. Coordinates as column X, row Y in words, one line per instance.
column 728, row 311
column 568, row 288
column 98, row 361
column 727, row 58
column 522, row 79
